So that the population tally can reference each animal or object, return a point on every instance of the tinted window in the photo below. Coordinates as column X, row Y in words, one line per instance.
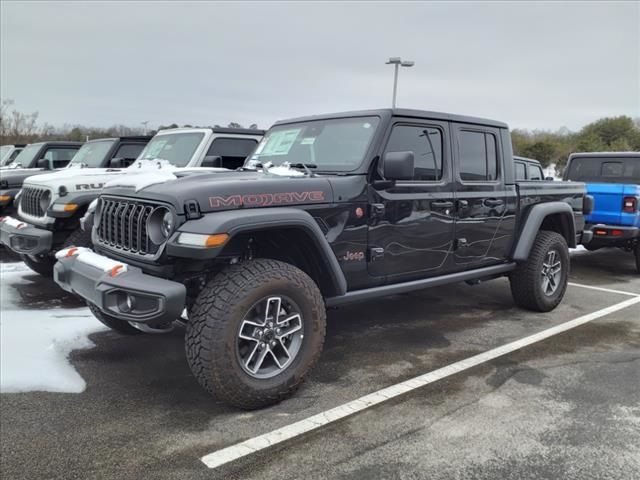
column 535, row 172
column 130, row 151
column 426, row 145
column 521, row 171
column 59, row 157
column 27, row 157
column 478, row 157
column 604, row 170
column 232, row 147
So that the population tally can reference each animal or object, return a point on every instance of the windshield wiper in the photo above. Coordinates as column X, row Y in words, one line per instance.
column 305, row 166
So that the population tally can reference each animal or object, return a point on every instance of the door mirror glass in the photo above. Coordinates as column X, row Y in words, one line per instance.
column 212, row 161
column 43, row 163
column 398, row 165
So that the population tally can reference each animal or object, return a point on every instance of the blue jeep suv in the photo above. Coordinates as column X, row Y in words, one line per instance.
column 613, row 180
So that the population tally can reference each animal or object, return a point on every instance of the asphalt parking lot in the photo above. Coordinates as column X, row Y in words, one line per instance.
column 565, row 407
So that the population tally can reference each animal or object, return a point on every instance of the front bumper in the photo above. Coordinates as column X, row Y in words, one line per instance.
column 611, row 235
column 24, row 238
column 118, row 289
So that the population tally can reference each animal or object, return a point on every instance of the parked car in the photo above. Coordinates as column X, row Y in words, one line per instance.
column 75, row 181
column 346, row 207
column 613, row 179
column 51, row 206
column 528, row 169
column 9, row 152
column 34, row 159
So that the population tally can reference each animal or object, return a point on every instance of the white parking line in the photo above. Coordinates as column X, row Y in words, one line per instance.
column 253, row 445
column 600, row 289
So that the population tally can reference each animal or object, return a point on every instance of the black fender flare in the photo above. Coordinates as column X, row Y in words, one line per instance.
column 533, row 222
column 234, row 222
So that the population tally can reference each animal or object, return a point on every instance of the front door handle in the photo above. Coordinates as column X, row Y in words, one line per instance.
column 442, row 204
column 493, row 202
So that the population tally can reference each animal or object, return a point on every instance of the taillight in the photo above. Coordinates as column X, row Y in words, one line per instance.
column 629, row 204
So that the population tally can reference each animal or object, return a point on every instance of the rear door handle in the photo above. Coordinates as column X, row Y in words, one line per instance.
column 493, row 202
column 442, row 204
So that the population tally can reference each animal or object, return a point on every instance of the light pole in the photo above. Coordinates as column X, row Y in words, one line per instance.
column 145, row 126
column 397, row 62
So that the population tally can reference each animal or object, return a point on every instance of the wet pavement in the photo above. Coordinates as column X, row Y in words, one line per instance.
column 567, row 407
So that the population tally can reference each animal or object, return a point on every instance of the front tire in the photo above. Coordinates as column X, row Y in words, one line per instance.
column 540, row 282
column 255, row 331
column 120, row 326
column 42, row 265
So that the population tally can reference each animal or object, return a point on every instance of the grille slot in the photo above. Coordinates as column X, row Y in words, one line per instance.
column 30, row 201
column 122, row 225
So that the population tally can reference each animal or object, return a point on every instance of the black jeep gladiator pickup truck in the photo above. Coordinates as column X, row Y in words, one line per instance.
column 328, row 210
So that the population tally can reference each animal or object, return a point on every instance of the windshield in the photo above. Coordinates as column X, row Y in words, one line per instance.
column 336, row 145
column 176, row 148
column 4, row 150
column 27, row 157
column 604, row 169
column 91, row 154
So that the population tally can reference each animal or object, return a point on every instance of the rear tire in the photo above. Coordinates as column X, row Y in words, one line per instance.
column 535, row 284
column 637, row 255
column 42, row 265
column 120, row 326
column 236, row 340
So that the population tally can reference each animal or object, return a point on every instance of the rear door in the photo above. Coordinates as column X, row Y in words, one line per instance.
column 411, row 223
column 58, row 156
column 482, row 235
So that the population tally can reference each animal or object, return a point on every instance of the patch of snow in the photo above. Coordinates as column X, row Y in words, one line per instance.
column 35, row 344
column 579, row 249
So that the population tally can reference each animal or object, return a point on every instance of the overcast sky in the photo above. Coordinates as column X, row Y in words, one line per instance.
column 544, row 65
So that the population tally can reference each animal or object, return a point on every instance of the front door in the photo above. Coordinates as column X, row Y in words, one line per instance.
column 485, row 223
column 411, row 224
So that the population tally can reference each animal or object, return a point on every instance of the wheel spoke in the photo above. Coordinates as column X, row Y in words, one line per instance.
column 250, row 357
column 273, row 305
column 289, row 331
column 259, row 360
column 545, row 284
column 289, row 319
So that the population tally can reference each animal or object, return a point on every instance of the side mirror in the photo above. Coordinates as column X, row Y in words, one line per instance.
column 398, row 166
column 117, row 163
column 43, row 163
column 549, row 179
column 212, row 161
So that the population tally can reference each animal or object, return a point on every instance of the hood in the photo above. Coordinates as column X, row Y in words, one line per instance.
column 15, row 176
column 233, row 190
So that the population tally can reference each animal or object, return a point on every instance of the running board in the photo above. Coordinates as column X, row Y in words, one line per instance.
column 375, row 292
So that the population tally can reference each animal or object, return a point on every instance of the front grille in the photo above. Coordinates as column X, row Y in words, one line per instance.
column 30, row 201
column 122, row 225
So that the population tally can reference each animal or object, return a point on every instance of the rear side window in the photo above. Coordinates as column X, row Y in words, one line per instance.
column 521, row 171
column 535, row 172
column 426, row 145
column 604, row 170
column 130, row 151
column 478, row 160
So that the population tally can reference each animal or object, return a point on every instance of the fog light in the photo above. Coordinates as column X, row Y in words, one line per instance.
column 129, row 304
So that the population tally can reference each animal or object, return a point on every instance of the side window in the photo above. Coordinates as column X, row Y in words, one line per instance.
column 426, row 145
column 535, row 172
column 521, row 171
column 233, row 151
column 129, row 151
column 477, row 156
column 59, row 157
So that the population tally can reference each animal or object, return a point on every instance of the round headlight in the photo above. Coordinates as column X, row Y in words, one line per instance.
column 160, row 225
column 45, row 200
column 168, row 223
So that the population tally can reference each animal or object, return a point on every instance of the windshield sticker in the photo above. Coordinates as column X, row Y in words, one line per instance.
column 307, row 141
column 154, row 148
column 279, row 143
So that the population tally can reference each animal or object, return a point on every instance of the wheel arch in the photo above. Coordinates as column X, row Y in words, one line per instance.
column 286, row 234
column 552, row 216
